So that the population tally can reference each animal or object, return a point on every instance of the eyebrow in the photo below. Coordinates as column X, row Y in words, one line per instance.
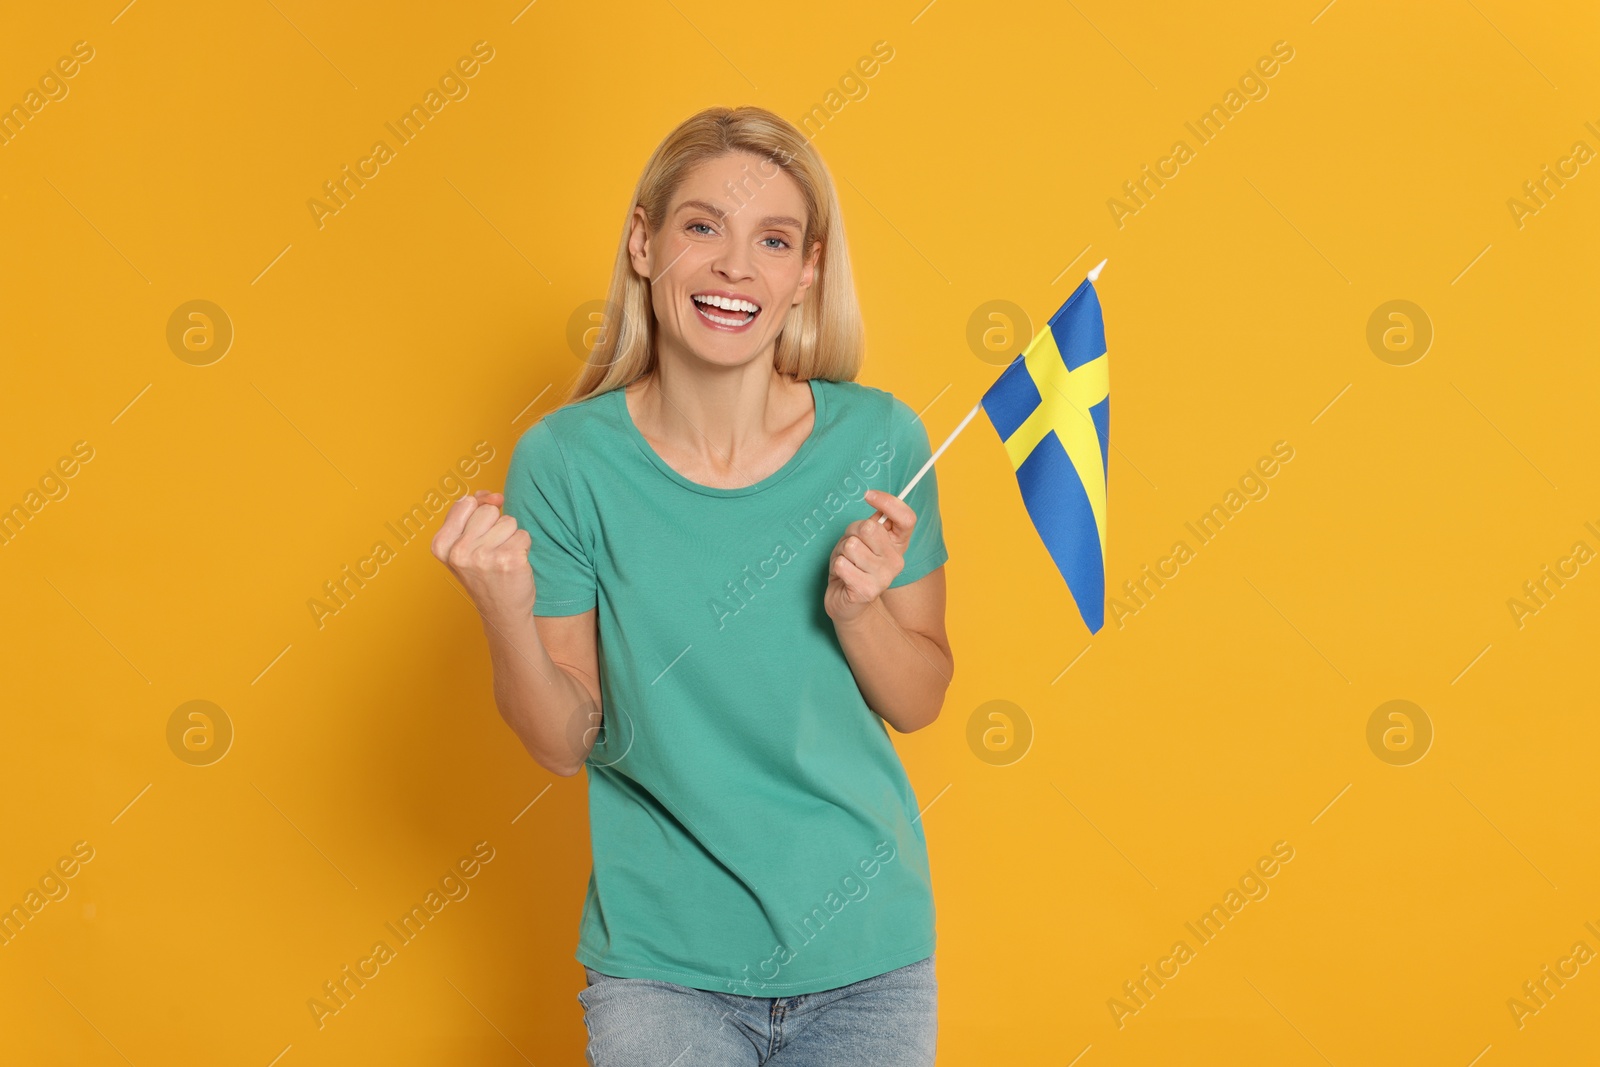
column 713, row 209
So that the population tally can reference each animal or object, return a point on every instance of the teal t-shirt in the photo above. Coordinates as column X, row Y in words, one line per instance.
column 753, row 830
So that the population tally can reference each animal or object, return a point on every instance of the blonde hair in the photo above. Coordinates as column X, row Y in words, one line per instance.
column 820, row 338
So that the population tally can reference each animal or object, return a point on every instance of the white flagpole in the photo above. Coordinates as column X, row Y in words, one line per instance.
column 1093, row 276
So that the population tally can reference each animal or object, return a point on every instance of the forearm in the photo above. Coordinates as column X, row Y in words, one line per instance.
column 547, row 705
column 902, row 674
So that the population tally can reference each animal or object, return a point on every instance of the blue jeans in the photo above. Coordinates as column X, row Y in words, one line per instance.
column 888, row 1020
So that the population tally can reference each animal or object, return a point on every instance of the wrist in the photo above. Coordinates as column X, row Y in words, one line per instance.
column 505, row 618
column 848, row 616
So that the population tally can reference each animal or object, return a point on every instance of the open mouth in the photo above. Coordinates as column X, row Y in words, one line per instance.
column 727, row 313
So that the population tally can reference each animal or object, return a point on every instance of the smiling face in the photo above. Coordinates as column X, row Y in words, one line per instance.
column 727, row 264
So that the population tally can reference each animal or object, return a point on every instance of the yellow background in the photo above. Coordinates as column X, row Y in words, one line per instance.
column 432, row 313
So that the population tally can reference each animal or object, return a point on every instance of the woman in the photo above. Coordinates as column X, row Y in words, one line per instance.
column 690, row 594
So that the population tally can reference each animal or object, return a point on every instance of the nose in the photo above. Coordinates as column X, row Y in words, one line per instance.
column 733, row 262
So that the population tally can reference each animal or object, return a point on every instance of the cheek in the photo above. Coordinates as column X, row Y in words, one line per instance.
column 675, row 267
column 778, row 283
column 663, row 300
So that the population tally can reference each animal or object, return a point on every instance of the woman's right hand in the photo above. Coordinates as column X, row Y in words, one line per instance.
column 488, row 554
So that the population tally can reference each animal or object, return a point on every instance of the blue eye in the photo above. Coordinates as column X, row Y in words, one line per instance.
column 692, row 225
column 780, row 240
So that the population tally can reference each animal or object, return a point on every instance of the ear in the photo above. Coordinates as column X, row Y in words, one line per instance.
column 639, row 243
column 808, row 274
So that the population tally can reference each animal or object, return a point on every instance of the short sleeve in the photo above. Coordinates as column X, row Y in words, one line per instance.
column 539, row 496
column 926, row 552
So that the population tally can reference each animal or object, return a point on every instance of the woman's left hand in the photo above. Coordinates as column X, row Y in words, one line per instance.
column 868, row 557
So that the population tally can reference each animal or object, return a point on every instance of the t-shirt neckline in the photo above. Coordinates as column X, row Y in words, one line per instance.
column 818, row 404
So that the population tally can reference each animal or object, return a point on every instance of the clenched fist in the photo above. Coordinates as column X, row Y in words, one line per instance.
column 488, row 554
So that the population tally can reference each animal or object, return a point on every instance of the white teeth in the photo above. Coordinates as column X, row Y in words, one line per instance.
column 726, row 303
column 719, row 320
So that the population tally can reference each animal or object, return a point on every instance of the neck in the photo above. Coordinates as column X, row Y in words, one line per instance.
column 696, row 408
